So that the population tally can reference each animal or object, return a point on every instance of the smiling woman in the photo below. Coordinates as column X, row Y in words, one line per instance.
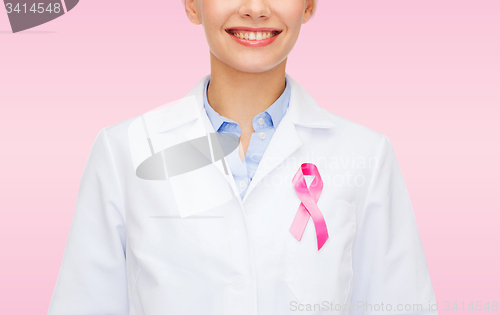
column 283, row 18
column 166, row 223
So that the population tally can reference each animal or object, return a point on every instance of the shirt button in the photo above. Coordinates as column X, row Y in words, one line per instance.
column 242, row 184
column 261, row 121
column 262, row 135
column 238, row 283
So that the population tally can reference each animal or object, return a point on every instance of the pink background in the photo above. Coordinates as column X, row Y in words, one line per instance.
column 426, row 73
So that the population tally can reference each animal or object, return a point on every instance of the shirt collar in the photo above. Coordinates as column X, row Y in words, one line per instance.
column 277, row 110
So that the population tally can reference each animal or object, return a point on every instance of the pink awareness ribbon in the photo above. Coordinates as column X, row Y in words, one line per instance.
column 308, row 206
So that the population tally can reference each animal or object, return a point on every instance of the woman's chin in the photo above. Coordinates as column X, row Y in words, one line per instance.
column 256, row 66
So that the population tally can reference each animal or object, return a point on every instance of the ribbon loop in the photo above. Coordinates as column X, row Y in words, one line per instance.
column 308, row 206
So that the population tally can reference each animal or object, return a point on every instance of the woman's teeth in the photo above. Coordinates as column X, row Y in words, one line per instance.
column 253, row 35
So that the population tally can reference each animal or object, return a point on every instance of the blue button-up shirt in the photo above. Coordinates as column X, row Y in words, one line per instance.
column 264, row 125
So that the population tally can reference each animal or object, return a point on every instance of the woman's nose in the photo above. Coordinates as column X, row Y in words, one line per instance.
column 255, row 9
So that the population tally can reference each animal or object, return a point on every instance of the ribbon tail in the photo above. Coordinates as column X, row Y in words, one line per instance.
column 321, row 233
column 319, row 222
column 299, row 222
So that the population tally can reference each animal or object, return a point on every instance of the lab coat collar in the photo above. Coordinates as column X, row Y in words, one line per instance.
column 302, row 111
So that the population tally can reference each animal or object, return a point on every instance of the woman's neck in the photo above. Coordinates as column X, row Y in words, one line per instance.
column 241, row 95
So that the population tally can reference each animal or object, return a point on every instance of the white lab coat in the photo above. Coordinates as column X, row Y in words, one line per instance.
column 192, row 246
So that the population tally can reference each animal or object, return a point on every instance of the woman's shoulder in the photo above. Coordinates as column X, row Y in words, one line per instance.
column 118, row 132
column 355, row 136
column 140, row 125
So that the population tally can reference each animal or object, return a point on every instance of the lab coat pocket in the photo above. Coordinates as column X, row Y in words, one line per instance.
column 316, row 276
column 175, row 258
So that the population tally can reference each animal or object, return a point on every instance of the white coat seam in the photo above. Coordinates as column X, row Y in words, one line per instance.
column 370, row 187
column 372, row 179
column 349, row 292
column 113, row 162
column 136, row 280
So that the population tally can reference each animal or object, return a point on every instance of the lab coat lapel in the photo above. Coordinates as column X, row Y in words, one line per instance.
column 284, row 143
column 209, row 186
column 203, row 127
column 303, row 111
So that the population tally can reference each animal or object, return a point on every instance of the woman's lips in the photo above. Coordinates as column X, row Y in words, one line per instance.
column 255, row 37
